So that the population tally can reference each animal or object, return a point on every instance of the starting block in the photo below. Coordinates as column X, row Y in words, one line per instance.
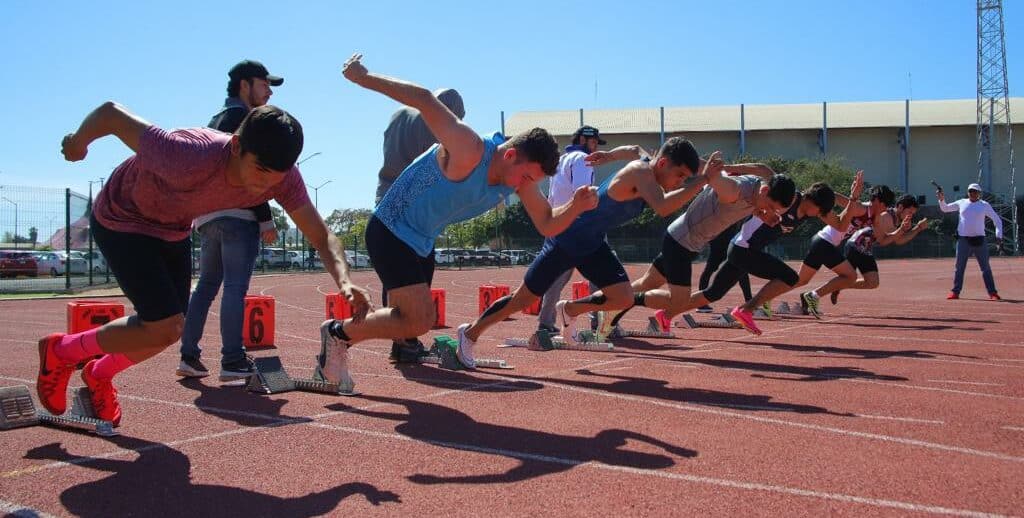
column 795, row 308
column 442, row 354
column 258, row 321
column 653, row 331
column 84, row 315
column 723, row 321
column 545, row 341
column 533, row 309
column 17, row 409
column 271, row 378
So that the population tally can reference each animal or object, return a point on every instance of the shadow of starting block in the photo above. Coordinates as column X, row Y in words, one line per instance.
column 271, row 378
column 17, row 409
column 547, row 341
column 442, row 354
column 723, row 321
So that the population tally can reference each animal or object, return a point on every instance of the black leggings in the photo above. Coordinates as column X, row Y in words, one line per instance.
column 742, row 261
column 717, row 254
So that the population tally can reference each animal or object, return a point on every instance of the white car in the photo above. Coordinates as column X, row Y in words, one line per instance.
column 49, row 263
column 99, row 263
column 356, row 259
column 78, row 263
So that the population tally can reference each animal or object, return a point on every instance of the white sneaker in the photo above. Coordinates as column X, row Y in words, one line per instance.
column 332, row 362
column 465, row 349
column 568, row 323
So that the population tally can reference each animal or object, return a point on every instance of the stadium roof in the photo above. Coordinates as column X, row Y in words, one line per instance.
column 882, row 114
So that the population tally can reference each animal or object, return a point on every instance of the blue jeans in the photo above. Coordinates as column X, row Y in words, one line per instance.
column 963, row 253
column 229, row 248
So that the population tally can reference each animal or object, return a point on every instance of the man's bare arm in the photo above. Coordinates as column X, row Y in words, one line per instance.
column 760, row 170
column 463, row 145
column 109, row 119
column 553, row 221
column 665, row 203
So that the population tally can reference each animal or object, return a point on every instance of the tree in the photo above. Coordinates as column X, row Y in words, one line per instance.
column 33, row 235
column 341, row 220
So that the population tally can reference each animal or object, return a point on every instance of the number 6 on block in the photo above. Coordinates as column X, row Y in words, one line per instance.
column 258, row 324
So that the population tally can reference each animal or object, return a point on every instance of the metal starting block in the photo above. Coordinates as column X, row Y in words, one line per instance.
column 442, row 354
column 724, row 321
column 17, row 409
column 271, row 378
column 653, row 331
column 796, row 308
column 546, row 341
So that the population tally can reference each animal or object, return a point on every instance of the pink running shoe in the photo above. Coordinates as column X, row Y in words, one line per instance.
column 746, row 319
column 663, row 321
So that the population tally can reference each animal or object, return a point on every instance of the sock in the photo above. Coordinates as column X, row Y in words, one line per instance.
column 337, row 330
column 79, row 346
column 109, row 365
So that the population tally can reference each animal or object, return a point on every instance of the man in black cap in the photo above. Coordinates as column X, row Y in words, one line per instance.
column 573, row 172
column 248, row 87
column 230, row 243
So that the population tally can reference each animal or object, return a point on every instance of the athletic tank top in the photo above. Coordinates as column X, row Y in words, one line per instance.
column 755, row 234
column 422, row 202
column 590, row 229
column 863, row 240
column 834, row 236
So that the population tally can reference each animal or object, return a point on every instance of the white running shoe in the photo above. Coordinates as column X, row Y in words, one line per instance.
column 465, row 349
column 332, row 362
column 568, row 323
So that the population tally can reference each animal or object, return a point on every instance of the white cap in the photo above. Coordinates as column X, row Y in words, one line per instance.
column 974, row 187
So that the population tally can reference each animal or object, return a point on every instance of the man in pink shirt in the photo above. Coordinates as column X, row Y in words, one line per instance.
column 142, row 222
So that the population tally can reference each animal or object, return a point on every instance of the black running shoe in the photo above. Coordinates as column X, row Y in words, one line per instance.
column 191, row 368
column 407, row 351
column 834, row 297
column 236, row 370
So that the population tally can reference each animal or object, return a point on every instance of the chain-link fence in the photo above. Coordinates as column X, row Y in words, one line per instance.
column 45, row 243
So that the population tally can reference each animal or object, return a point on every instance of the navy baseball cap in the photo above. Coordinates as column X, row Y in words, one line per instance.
column 250, row 69
column 589, row 132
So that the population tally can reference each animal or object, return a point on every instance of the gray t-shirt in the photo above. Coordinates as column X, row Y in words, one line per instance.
column 705, row 218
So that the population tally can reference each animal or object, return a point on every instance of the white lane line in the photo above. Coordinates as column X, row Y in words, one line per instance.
column 967, row 383
column 906, row 419
column 1014, row 428
column 933, row 389
column 13, row 510
column 903, row 338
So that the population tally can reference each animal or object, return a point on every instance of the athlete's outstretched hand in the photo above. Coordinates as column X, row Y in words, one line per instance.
column 921, row 225
column 905, row 224
column 714, row 165
column 858, row 185
column 600, row 158
column 359, row 299
column 72, row 149
column 353, row 69
column 585, row 197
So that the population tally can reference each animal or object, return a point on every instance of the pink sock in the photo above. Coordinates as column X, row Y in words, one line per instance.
column 79, row 346
column 109, row 365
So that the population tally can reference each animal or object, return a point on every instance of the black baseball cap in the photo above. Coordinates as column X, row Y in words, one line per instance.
column 589, row 132
column 250, row 69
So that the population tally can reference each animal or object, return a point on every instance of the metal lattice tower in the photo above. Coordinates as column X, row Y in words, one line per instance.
column 994, row 131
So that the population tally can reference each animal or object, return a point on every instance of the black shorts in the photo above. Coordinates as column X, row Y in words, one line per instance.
column 864, row 263
column 823, row 253
column 600, row 267
column 741, row 261
column 675, row 262
column 154, row 274
column 395, row 262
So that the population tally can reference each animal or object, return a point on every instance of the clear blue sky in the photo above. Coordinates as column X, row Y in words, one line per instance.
column 168, row 62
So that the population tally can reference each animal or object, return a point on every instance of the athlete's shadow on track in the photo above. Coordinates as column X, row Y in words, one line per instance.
column 808, row 373
column 864, row 354
column 158, row 483
column 934, row 327
column 926, row 319
column 539, row 453
column 460, row 379
column 235, row 404
column 659, row 389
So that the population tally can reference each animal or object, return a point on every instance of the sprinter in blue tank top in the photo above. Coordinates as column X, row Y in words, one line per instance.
column 584, row 246
column 461, row 177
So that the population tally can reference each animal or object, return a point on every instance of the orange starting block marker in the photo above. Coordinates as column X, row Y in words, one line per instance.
column 337, row 307
column 258, row 323
column 580, row 289
column 438, row 298
column 534, row 309
column 84, row 315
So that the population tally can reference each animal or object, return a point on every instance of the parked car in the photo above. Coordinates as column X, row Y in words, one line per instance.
column 272, row 258
column 517, row 256
column 74, row 263
column 294, row 259
column 357, row 260
column 16, row 262
column 99, row 263
column 49, row 263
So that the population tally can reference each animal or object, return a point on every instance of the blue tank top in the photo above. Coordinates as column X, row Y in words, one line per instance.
column 590, row 229
column 422, row 202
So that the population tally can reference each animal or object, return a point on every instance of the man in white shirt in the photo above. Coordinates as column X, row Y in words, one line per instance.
column 573, row 172
column 971, row 229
